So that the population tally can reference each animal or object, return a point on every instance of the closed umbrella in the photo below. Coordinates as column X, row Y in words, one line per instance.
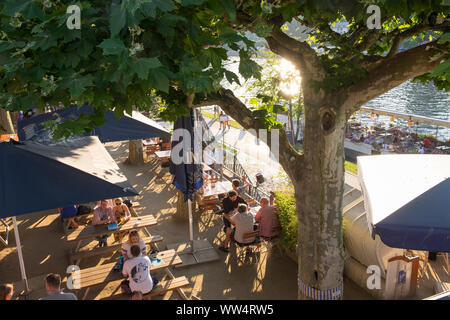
column 188, row 176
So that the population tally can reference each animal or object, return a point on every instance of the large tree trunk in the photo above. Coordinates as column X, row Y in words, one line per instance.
column 319, row 205
column 6, row 125
column 135, row 152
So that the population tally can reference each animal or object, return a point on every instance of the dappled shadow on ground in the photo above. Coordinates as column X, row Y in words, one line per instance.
column 270, row 276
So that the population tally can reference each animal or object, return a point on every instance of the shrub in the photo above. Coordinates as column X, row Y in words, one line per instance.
column 285, row 201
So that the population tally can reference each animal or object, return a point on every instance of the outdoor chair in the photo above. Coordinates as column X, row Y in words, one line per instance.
column 166, row 146
column 248, row 248
column 209, row 203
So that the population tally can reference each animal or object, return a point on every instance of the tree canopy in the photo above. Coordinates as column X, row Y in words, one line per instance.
column 126, row 50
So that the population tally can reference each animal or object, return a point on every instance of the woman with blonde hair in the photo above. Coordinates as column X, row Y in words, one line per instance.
column 122, row 214
column 121, row 210
column 133, row 239
column 6, row 291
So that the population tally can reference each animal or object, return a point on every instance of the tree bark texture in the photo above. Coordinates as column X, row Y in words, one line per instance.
column 182, row 212
column 135, row 153
column 6, row 125
column 319, row 204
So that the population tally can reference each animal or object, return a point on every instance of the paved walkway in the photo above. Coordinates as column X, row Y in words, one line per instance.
column 255, row 157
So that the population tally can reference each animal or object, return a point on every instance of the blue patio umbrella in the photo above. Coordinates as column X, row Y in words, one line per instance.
column 407, row 199
column 133, row 127
column 36, row 177
column 188, row 176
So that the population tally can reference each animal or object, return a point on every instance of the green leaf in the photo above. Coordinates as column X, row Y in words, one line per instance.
column 262, row 30
column 445, row 37
column 142, row 66
column 228, row 5
column 78, row 85
column 442, row 69
column 151, row 7
column 112, row 47
column 159, row 80
column 232, row 77
column 117, row 20
column 186, row 3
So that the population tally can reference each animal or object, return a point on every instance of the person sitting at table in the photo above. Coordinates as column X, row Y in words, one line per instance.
column 103, row 215
column 53, row 288
column 133, row 239
column 69, row 212
column 122, row 214
column 243, row 222
column 267, row 219
column 230, row 204
column 236, row 184
column 137, row 272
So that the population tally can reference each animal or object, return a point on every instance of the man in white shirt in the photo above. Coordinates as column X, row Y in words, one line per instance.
column 243, row 221
column 137, row 270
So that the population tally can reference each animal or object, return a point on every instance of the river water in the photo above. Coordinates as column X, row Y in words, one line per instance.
column 411, row 98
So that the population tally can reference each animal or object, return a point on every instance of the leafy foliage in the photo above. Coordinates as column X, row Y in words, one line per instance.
column 123, row 51
column 127, row 48
column 285, row 201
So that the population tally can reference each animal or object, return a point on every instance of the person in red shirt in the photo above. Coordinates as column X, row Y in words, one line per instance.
column 426, row 142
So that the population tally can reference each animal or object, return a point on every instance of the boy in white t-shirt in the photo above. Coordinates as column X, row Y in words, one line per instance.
column 137, row 270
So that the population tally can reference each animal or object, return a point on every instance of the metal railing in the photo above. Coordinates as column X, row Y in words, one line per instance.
column 233, row 166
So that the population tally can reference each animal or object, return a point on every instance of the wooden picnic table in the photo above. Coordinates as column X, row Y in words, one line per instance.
column 163, row 155
column 220, row 187
column 92, row 231
column 105, row 273
column 150, row 142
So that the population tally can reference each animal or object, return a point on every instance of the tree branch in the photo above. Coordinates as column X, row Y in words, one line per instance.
column 299, row 53
column 238, row 111
column 389, row 73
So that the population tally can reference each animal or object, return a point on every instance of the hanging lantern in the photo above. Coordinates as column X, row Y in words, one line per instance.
column 372, row 115
column 392, row 118
column 410, row 123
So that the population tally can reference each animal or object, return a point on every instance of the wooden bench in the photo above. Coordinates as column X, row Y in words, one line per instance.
column 160, row 288
column 66, row 221
column 105, row 273
column 75, row 257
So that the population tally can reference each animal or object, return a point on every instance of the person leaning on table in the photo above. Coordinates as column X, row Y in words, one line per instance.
column 103, row 215
column 53, row 288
